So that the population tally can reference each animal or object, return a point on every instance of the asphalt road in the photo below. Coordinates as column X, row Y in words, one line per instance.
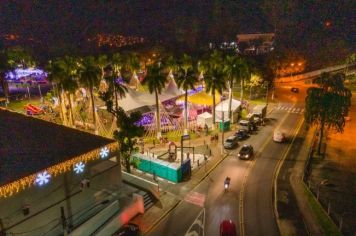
column 251, row 206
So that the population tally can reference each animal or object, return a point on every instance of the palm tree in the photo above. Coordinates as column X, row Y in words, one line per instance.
column 236, row 68
column 55, row 76
column 117, row 62
column 171, row 66
column 214, row 78
column 156, row 80
column 186, row 79
column 132, row 65
column 90, row 75
column 68, row 67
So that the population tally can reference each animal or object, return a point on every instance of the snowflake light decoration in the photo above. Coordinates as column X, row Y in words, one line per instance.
column 79, row 167
column 42, row 178
column 104, row 152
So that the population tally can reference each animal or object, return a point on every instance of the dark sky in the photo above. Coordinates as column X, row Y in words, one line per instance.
column 63, row 22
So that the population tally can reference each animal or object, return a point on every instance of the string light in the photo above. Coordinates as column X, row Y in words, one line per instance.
column 12, row 188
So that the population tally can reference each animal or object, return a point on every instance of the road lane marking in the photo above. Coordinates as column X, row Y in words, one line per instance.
column 200, row 222
column 278, row 167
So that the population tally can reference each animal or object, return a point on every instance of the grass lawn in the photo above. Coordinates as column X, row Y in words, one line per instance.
column 19, row 105
column 328, row 227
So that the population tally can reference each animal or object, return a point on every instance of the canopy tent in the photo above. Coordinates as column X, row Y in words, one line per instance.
column 201, row 98
column 205, row 119
column 137, row 100
column 223, row 108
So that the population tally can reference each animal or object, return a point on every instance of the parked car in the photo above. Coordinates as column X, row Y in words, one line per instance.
column 129, row 229
column 294, row 90
column 242, row 134
column 231, row 142
column 246, row 152
column 227, row 228
column 279, row 136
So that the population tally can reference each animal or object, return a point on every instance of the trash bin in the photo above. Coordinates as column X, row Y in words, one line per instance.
column 224, row 126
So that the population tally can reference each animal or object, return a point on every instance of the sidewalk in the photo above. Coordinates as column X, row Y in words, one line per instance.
column 173, row 193
column 295, row 215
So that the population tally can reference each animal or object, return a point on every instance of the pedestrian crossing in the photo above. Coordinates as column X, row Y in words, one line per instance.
column 195, row 198
column 290, row 109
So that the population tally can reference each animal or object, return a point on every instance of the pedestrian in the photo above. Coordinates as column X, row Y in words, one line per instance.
column 154, row 176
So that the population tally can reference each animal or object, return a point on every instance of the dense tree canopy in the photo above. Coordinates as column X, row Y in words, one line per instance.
column 328, row 104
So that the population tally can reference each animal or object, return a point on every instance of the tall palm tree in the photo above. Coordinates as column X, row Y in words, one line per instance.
column 55, row 76
column 186, row 79
column 171, row 66
column 117, row 63
column 214, row 78
column 90, row 75
column 132, row 65
column 156, row 80
column 236, row 68
column 69, row 80
column 243, row 73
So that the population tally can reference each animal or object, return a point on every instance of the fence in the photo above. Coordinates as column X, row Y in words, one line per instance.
column 316, row 188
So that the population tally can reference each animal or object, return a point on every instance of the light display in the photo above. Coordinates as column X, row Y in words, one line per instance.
column 79, row 167
column 25, row 182
column 18, row 73
column 42, row 178
column 104, row 152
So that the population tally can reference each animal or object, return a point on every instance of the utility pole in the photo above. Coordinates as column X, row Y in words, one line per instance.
column 222, row 135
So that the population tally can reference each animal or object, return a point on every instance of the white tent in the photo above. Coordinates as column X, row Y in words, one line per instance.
column 223, row 108
column 205, row 118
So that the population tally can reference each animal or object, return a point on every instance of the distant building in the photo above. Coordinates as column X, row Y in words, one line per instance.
column 52, row 178
column 255, row 44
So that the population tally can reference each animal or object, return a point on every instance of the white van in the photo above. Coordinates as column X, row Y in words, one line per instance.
column 279, row 136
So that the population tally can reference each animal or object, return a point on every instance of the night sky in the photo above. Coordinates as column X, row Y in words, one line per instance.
column 194, row 22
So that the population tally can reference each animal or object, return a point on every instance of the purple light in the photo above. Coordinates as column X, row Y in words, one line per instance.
column 19, row 73
column 119, row 80
column 196, row 90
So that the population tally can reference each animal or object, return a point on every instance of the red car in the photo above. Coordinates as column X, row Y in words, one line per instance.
column 227, row 228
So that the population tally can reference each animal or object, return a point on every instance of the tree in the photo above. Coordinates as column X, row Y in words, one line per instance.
column 132, row 65
column 327, row 104
column 90, row 75
column 255, row 80
column 235, row 68
column 11, row 59
column 68, row 73
column 156, row 80
column 114, row 77
column 186, row 79
column 55, row 77
column 214, row 77
column 128, row 129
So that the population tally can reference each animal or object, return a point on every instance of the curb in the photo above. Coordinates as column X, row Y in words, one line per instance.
column 180, row 201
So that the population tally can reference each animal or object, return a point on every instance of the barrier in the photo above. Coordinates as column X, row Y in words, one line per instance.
column 141, row 183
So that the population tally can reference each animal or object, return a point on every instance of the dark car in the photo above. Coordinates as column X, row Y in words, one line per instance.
column 295, row 90
column 230, row 142
column 242, row 134
column 227, row 228
column 246, row 152
column 129, row 229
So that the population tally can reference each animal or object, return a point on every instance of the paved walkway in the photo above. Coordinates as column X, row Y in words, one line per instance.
column 173, row 193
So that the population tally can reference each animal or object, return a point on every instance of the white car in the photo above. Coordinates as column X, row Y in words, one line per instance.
column 279, row 136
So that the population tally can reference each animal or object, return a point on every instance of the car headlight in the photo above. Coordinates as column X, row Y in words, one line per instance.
column 247, row 155
column 238, row 154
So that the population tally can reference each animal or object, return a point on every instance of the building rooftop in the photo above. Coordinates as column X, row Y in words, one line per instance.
column 29, row 145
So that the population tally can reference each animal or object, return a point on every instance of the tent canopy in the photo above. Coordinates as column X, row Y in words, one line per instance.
column 201, row 98
column 224, row 105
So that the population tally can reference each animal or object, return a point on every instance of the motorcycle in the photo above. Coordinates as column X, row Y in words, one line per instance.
column 226, row 183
